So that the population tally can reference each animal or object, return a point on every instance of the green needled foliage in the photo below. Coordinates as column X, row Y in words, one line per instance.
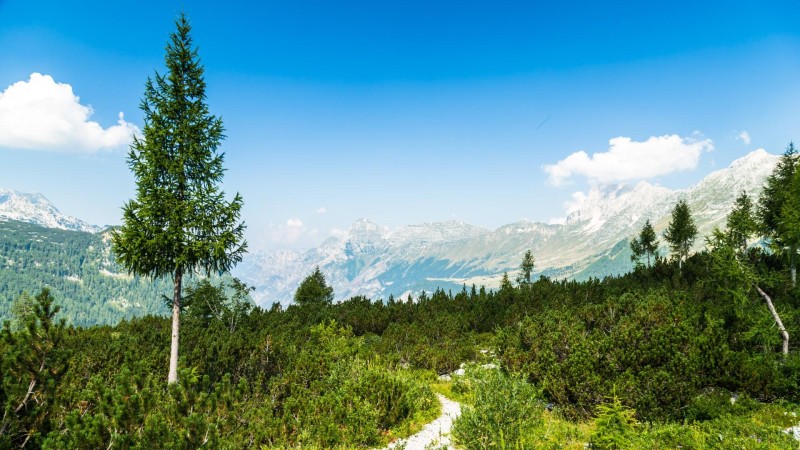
column 314, row 290
column 526, row 268
column 615, row 424
column 180, row 221
column 775, row 194
column 778, row 209
column 645, row 246
column 32, row 363
column 681, row 232
column 741, row 223
column 789, row 225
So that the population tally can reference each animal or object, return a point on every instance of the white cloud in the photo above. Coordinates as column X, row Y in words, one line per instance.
column 294, row 223
column 322, row 210
column 41, row 114
column 744, row 136
column 292, row 232
column 627, row 159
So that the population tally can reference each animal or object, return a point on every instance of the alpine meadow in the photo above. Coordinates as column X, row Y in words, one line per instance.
column 654, row 306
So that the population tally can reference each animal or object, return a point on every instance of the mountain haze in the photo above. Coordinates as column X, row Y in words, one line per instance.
column 375, row 262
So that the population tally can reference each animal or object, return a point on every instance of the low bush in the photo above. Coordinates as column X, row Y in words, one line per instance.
column 505, row 411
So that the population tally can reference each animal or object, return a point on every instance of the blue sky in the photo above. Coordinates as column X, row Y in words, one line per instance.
column 404, row 112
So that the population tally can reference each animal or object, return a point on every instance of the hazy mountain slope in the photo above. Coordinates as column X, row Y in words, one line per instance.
column 593, row 241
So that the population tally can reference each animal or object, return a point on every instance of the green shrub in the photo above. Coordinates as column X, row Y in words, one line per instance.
column 751, row 426
column 660, row 349
column 715, row 403
column 322, row 395
column 505, row 411
column 615, row 424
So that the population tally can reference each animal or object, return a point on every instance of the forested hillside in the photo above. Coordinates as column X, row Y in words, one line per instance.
column 79, row 270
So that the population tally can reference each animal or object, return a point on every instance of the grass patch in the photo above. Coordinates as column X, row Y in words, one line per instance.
column 446, row 388
column 425, row 412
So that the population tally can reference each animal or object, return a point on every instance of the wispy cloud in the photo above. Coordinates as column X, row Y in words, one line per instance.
column 294, row 223
column 627, row 159
column 321, row 210
column 40, row 114
column 288, row 233
column 744, row 136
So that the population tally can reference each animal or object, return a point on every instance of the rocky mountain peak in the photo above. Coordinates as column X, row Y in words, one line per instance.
column 36, row 208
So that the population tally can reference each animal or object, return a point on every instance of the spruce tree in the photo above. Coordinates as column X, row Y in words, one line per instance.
column 741, row 223
column 731, row 267
column 526, row 269
column 180, row 222
column 314, row 290
column 776, row 209
column 681, row 232
column 775, row 195
column 789, row 225
column 646, row 245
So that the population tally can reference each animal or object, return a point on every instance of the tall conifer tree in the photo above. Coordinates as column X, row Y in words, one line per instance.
column 681, row 232
column 646, row 245
column 741, row 223
column 526, row 269
column 180, row 222
column 777, row 209
column 314, row 290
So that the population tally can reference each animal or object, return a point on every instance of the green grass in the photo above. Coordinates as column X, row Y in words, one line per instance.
column 421, row 416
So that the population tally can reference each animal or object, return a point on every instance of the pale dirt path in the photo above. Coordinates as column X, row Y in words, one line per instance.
column 435, row 434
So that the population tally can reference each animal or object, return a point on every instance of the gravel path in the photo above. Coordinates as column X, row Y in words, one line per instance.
column 436, row 434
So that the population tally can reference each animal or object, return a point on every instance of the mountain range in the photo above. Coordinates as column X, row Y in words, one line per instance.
column 593, row 241
column 376, row 262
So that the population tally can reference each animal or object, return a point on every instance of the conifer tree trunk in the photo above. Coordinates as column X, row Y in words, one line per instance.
column 777, row 318
column 176, row 324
